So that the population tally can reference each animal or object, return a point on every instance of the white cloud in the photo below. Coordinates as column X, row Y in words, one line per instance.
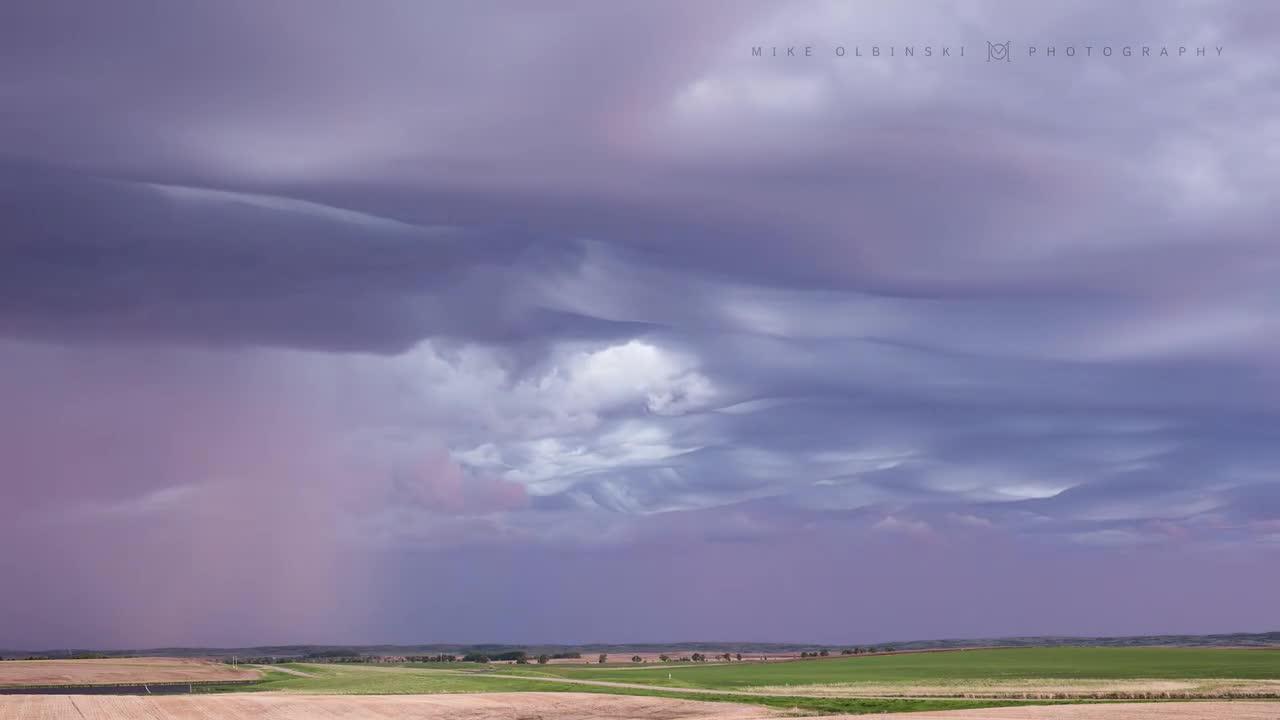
column 665, row 382
column 906, row 526
column 585, row 410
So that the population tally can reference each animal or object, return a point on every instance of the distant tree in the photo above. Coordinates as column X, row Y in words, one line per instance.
column 542, row 659
column 664, row 658
column 739, row 656
column 516, row 655
column 846, row 651
column 824, row 653
column 698, row 657
column 727, row 657
column 636, row 658
column 603, row 657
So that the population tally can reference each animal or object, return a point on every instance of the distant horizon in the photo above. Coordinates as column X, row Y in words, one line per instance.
column 648, row 644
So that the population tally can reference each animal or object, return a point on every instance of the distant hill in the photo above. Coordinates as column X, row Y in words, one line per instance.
column 1268, row 639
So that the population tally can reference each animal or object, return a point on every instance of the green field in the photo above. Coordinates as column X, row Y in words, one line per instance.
column 792, row 684
column 1011, row 664
column 364, row 680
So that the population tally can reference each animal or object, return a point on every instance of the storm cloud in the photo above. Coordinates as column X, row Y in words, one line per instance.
column 412, row 296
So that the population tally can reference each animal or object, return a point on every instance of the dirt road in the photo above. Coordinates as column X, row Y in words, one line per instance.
column 285, row 670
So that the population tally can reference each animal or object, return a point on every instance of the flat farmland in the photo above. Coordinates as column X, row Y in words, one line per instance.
column 313, row 679
column 247, row 706
column 1118, row 711
column 562, row 706
column 1023, row 672
column 939, row 685
column 118, row 671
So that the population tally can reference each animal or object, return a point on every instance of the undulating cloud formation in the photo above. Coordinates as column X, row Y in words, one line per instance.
column 489, row 321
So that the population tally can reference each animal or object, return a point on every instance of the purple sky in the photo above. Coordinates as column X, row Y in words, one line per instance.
column 570, row 322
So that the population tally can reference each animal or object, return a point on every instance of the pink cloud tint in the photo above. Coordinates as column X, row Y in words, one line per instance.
column 439, row 484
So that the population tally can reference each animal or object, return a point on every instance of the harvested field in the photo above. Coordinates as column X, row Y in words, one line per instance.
column 1240, row 710
column 563, row 706
column 490, row 706
column 112, row 671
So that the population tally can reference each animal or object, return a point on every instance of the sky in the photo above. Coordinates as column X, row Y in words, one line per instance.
column 412, row 322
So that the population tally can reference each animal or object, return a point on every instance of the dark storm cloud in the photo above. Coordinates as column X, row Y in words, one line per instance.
column 102, row 258
column 946, row 184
